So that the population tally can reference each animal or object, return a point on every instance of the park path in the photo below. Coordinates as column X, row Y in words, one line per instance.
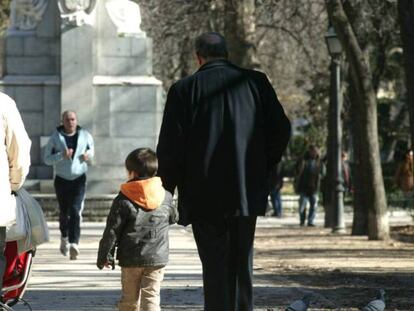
column 56, row 283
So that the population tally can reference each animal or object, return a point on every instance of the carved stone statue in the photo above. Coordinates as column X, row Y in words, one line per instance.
column 26, row 14
column 126, row 16
column 76, row 11
column 73, row 6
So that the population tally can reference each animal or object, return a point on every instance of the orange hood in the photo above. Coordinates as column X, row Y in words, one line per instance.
column 147, row 193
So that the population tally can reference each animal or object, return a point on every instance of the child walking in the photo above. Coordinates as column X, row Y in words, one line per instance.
column 137, row 226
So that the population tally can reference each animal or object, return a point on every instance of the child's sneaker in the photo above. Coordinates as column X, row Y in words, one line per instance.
column 64, row 246
column 74, row 251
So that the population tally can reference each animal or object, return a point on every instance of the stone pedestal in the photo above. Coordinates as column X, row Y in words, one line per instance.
column 128, row 112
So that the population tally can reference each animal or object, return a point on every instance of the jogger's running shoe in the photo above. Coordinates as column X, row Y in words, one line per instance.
column 74, row 251
column 64, row 246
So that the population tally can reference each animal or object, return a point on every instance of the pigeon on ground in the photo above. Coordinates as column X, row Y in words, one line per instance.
column 300, row 305
column 378, row 304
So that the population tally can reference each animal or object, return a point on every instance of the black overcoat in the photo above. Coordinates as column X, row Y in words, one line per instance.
column 222, row 134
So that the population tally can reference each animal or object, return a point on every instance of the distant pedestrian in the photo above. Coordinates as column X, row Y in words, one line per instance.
column 309, row 171
column 404, row 177
column 222, row 134
column 69, row 150
column 14, row 166
column 346, row 173
column 137, row 225
column 276, row 185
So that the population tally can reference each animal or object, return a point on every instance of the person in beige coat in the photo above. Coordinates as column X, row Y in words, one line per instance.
column 14, row 166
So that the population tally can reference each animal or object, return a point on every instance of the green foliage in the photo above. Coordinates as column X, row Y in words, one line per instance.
column 297, row 147
column 299, row 143
column 315, row 134
column 393, row 126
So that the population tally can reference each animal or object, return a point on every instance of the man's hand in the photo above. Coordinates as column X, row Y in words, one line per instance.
column 68, row 153
column 85, row 157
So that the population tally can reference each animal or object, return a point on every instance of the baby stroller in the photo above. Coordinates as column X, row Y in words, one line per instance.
column 15, row 276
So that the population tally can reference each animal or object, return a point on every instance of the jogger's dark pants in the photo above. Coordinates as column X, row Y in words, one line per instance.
column 70, row 195
column 226, row 252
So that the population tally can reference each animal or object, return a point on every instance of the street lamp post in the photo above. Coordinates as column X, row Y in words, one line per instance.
column 335, row 50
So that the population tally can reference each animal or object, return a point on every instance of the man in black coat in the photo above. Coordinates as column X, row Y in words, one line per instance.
column 222, row 135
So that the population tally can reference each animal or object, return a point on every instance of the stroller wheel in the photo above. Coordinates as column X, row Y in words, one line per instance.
column 10, row 303
column 4, row 307
column 8, row 306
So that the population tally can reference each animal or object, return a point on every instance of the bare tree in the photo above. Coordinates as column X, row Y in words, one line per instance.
column 268, row 34
column 173, row 26
column 291, row 50
column 240, row 31
column 371, row 194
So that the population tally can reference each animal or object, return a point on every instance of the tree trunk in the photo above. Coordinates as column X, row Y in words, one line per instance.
column 186, row 57
column 406, row 19
column 239, row 31
column 368, row 164
column 360, row 220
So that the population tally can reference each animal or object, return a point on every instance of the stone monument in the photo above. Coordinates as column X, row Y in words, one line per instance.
column 76, row 12
column 126, row 16
column 90, row 56
column 26, row 14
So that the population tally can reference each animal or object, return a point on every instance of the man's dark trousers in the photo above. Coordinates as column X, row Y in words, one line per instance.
column 70, row 195
column 225, row 248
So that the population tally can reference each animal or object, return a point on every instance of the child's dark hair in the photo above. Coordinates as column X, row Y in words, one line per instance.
column 143, row 162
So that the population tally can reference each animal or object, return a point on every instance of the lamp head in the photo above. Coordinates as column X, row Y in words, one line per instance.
column 332, row 42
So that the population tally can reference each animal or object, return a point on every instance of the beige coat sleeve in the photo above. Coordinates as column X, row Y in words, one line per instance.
column 17, row 147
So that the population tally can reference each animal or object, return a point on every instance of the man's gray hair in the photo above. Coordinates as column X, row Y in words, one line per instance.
column 211, row 45
column 66, row 112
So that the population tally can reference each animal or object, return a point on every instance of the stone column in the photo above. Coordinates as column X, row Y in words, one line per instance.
column 77, row 72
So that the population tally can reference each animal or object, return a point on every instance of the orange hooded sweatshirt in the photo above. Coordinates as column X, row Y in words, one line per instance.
column 147, row 193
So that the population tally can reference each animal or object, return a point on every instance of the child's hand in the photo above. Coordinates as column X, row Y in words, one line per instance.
column 106, row 264
column 110, row 264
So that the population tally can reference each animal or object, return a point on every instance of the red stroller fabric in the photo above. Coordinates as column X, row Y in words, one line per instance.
column 16, row 273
